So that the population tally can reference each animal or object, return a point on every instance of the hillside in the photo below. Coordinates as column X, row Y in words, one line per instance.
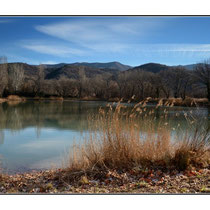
column 73, row 71
column 109, row 65
column 151, row 67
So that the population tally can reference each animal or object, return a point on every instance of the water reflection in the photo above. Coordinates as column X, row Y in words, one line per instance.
column 1, row 136
column 60, row 115
column 72, row 115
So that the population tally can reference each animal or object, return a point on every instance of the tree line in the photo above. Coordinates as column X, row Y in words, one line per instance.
column 175, row 82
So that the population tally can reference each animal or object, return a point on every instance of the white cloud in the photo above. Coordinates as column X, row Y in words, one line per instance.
column 49, row 62
column 116, row 35
column 186, row 52
column 101, row 35
column 5, row 21
column 178, row 47
column 50, row 49
column 18, row 58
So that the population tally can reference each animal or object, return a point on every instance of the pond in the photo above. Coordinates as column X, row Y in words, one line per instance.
column 38, row 135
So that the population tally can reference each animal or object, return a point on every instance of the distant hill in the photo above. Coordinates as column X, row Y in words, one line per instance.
column 110, row 65
column 188, row 67
column 151, row 67
column 29, row 70
column 55, row 65
column 72, row 71
column 156, row 67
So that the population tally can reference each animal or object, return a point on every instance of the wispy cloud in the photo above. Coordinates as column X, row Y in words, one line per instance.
column 186, row 50
column 82, row 37
column 12, row 57
column 176, row 47
column 96, row 30
column 51, row 49
column 6, row 21
column 102, row 35
column 49, row 62
column 116, row 35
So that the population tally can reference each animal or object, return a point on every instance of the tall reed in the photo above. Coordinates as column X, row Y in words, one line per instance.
column 124, row 138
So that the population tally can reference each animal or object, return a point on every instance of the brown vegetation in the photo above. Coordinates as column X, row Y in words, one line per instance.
column 15, row 98
column 119, row 144
column 2, row 100
column 188, row 102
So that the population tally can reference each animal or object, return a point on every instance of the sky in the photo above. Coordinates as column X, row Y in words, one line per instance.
column 133, row 40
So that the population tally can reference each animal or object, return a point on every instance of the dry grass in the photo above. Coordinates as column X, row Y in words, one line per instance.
column 56, row 98
column 15, row 98
column 53, row 98
column 121, row 141
column 2, row 100
column 189, row 102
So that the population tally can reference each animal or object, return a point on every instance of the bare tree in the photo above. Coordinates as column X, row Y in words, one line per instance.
column 98, row 86
column 179, row 81
column 40, row 79
column 81, row 82
column 66, row 87
column 37, row 82
column 202, row 75
column 122, row 80
column 143, row 84
column 3, row 75
column 16, row 77
column 175, row 81
column 165, row 82
column 155, row 81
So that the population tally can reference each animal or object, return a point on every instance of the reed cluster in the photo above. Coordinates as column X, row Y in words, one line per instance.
column 125, row 137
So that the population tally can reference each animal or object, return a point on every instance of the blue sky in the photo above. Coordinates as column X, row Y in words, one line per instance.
column 129, row 40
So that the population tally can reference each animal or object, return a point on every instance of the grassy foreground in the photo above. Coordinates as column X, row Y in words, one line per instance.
column 129, row 153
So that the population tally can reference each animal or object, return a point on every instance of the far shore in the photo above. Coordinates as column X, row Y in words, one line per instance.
column 188, row 102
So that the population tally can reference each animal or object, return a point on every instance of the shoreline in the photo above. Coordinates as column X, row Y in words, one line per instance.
column 188, row 102
column 135, row 181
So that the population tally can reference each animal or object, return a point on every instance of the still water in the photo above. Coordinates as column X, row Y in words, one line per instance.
column 38, row 135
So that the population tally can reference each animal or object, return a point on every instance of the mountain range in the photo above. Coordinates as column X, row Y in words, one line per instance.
column 153, row 67
column 72, row 70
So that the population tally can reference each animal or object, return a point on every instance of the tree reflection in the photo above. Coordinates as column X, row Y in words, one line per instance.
column 1, row 137
column 59, row 115
column 73, row 115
